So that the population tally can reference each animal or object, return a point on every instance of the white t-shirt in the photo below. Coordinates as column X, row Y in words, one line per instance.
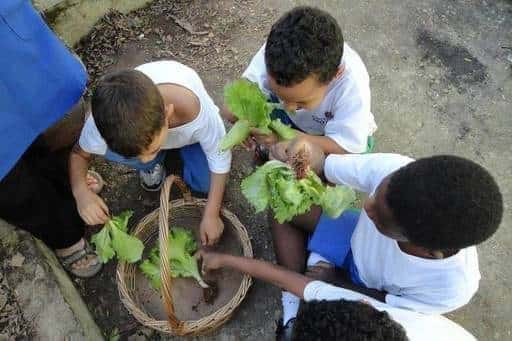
column 344, row 114
column 206, row 129
column 423, row 285
column 418, row 327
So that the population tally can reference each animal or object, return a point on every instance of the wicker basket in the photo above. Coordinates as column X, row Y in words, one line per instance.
column 146, row 230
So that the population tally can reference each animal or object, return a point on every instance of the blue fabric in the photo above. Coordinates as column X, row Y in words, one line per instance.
column 196, row 173
column 195, row 168
column 351, row 267
column 40, row 80
column 134, row 162
column 331, row 240
column 281, row 114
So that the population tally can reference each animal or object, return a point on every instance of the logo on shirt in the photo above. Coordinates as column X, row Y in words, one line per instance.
column 328, row 115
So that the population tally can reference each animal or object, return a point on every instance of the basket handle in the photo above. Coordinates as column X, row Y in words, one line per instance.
column 163, row 223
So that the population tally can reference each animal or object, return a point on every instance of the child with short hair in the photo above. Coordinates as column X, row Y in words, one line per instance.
column 139, row 114
column 337, row 313
column 413, row 244
column 307, row 67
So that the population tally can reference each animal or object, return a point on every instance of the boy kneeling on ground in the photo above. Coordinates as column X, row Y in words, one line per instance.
column 412, row 245
column 137, row 115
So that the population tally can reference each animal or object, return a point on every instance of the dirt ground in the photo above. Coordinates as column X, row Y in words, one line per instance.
column 441, row 83
column 206, row 36
column 12, row 322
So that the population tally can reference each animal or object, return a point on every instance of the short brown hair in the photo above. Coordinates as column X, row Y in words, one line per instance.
column 128, row 110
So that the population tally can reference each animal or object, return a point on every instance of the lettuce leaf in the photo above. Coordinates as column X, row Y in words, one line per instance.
column 152, row 272
column 250, row 106
column 127, row 248
column 103, row 245
column 283, row 130
column 182, row 245
column 337, row 199
column 113, row 240
column 254, row 188
column 275, row 185
column 236, row 135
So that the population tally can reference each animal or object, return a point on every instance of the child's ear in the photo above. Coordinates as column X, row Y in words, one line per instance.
column 339, row 73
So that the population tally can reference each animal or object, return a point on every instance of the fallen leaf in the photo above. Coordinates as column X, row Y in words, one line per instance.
column 187, row 26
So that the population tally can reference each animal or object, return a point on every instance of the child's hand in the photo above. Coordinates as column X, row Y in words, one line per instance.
column 211, row 229
column 92, row 208
column 210, row 260
column 249, row 143
column 326, row 272
column 279, row 151
column 264, row 139
column 313, row 155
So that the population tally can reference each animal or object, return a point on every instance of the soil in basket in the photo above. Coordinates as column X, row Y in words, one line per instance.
column 191, row 302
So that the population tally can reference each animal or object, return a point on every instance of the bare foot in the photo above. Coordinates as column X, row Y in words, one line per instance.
column 94, row 182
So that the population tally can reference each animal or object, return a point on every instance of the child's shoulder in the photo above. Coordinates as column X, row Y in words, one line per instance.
column 168, row 71
column 354, row 69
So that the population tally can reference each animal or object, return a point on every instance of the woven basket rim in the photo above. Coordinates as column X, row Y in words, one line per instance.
column 189, row 327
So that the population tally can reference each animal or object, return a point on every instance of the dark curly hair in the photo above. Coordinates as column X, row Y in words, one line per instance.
column 304, row 41
column 128, row 110
column 344, row 320
column 445, row 202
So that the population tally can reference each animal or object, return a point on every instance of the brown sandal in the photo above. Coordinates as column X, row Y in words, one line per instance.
column 92, row 269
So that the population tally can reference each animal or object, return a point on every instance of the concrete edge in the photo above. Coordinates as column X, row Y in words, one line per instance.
column 71, row 295
column 73, row 19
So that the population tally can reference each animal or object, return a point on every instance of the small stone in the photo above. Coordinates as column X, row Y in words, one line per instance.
column 137, row 337
column 17, row 260
column 3, row 300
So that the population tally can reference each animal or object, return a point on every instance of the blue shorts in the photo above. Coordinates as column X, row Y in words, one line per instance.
column 196, row 173
column 331, row 240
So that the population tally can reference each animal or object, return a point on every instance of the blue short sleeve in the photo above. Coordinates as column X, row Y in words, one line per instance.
column 40, row 79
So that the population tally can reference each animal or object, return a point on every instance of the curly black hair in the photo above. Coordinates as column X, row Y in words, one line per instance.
column 344, row 320
column 304, row 41
column 445, row 202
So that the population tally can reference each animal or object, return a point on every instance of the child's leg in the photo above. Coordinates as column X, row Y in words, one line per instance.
column 290, row 239
column 31, row 200
column 196, row 172
column 290, row 248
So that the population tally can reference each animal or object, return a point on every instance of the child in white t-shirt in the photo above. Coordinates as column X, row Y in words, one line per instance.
column 321, row 83
column 413, row 244
column 335, row 313
column 136, row 116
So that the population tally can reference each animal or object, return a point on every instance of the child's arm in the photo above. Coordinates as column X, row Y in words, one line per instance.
column 326, row 144
column 228, row 115
column 91, row 207
column 266, row 271
column 340, row 279
column 211, row 227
